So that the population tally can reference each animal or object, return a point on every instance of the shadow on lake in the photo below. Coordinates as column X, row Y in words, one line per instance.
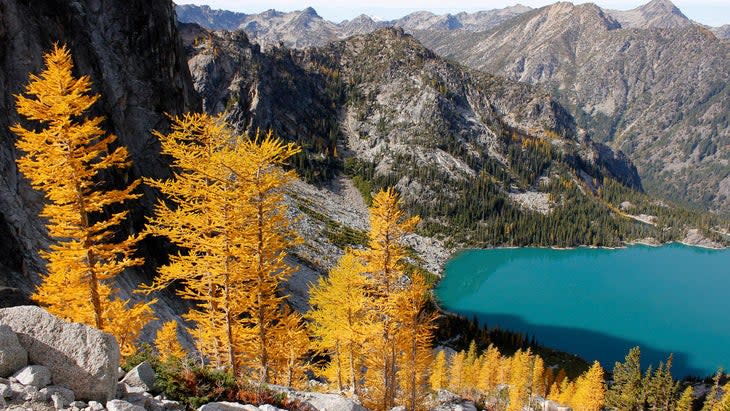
column 589, row 344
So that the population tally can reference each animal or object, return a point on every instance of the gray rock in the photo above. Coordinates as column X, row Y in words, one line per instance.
column 80, row 358
column 5, row 391
column 12, row 355
column 77, row 404
column 327, row 402
column 227, row 406
column 119, row 405
column 58, row 401
column 141, row 376
column 35, row 375
column 33, row 394
column 267, row 407
column 172, row 405
column 95, row 406
column 66, row 394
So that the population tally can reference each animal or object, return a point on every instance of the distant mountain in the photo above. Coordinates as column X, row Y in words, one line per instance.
column 305, row 28
column 655, row 14
column 648, row 81
column 661, row 95
column 722, row 32
column 482, row 159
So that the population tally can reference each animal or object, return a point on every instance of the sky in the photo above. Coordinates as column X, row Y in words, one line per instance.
column 709, row 12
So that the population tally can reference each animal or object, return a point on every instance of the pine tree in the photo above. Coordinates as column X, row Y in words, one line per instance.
column 662, row 389
column 340, row 321
column 439, row 372
column 590, row 393
column 711, row 400
column 567, row 393
column 226, row 211
column 473, row 366
column 385, row 259
column 686, row 400
column 626, row 392
column 489, row 372
column 414, row 342
column 724, row 403
column 167, row 343
column 203, row 217
column 520, row 376
column 65, row 160
column 456, row 372
column 539, row 383
column 289, row 351
column 267, row 236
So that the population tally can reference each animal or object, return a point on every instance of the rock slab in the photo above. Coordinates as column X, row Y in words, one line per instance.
column 79, row 357
column 12, row 355
column 142, row 376
column 35, row 375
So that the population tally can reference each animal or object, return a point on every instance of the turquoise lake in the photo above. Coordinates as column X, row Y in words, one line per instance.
column 599, row 303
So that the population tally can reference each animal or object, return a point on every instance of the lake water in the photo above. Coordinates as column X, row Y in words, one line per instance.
column 599, row 303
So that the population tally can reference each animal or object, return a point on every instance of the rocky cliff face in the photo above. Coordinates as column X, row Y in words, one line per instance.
column 660, row 95
column 132, row 52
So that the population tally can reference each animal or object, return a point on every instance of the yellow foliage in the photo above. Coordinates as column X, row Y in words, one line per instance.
column 590, row 392
column 457, row 372
column 520, row 375
column 489, row 373
column 226, row 210
column 340, row 321
column 414, row 342
column 64, row 160
column 385, row 264
column 167, row 343
column 539, row 383
column 439, row 372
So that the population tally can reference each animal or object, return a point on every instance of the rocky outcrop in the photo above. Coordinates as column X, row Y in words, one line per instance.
column 78, row 357
column 131, row 51
column 12, row 355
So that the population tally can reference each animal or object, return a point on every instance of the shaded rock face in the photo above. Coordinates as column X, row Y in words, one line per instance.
column 78, row 357
column 131, row 51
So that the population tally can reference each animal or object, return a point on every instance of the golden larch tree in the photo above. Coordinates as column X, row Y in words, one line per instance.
column 471, row 368
column 566, row 393
column 590, row 393
column 385, row 264
column 686, row 400
column 267, row 234
column 340, row 321
column 457, row 372
column 539, row 383
column 289, row 351
column 168, row 344
column 64, row 159
column 414, row 342
column 224, row 207
column 489, row 372
column 201, row 215
column 439, row 378
column 519, row 382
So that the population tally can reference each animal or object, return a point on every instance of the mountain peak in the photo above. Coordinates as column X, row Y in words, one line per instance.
column 655, row 14
column 310, row 11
